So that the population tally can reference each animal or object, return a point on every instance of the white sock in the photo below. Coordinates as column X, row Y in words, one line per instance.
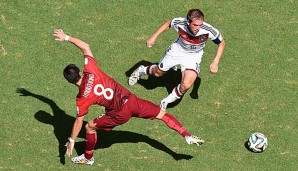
column 142, row 70
column 172, row 97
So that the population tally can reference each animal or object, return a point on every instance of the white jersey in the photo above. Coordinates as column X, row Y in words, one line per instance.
column 193, row 43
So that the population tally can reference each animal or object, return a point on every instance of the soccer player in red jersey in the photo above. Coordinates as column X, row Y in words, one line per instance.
column 96, row 87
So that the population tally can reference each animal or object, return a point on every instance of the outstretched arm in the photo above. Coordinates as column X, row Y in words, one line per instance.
column 61, row 36
column 160, row 30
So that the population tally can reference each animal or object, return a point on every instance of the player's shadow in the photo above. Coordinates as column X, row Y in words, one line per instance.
column 63, row 123
column 108, row 138
column 169, row 80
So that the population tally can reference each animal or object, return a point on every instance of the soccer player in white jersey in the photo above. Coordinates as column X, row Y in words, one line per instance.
column 186, row 51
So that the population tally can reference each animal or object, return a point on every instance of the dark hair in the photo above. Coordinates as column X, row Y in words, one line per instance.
column 72, row 73
column 194, row 13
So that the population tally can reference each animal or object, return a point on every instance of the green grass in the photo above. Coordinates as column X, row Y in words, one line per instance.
column 255, row 89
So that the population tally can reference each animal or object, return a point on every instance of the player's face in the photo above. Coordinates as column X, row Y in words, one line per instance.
column 195, row 25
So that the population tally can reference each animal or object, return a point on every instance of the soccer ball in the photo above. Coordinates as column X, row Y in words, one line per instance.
column 257, row 142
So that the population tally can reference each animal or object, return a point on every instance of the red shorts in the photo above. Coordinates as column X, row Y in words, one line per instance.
column 134, row 107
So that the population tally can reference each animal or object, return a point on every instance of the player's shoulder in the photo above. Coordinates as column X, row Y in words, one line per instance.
column 88, row 57
column 207, row 25
column 80, row 99
column 209, row 28
column 179, row 21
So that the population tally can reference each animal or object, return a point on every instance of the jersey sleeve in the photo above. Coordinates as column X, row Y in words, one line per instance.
column 214, row 34
column 90, row 64
column 218, row 40
column 82, row 108
column 176, row 22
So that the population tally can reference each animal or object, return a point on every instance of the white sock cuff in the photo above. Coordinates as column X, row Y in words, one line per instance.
column 179, row 90
column 150, row 69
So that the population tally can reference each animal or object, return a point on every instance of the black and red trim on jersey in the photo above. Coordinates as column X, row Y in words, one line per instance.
column 192, row 39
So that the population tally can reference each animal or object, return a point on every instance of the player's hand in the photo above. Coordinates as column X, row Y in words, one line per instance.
column 214, row 67
column 150, row 41
column 69, row 148
column 59, row 34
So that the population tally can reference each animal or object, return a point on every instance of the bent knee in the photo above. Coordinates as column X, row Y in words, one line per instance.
column 184, row 87
column 160, row 114
column 90, row 126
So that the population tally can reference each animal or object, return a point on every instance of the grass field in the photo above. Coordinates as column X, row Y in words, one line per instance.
column 256, row 89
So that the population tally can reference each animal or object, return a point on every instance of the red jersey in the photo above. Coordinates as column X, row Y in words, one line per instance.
column 98, row 88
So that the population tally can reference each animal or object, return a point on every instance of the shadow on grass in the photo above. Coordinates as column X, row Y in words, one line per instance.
column 170, row 80
column 247, row 146
column 108, row 138
column 63, row 123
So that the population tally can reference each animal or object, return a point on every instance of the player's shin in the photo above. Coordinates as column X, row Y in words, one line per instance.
column 174, row 124
column 91, row 139
column 173, row 96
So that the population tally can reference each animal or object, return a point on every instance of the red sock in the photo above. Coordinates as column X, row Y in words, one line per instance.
column 174, row 124
column 90, row 142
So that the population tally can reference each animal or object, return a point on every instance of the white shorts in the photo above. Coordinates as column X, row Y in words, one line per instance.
column 177, row 56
